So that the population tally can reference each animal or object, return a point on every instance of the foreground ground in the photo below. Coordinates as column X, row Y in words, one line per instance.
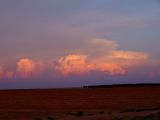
column 119, row 103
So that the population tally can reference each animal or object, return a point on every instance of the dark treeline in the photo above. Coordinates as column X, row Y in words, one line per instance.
column 123, row 85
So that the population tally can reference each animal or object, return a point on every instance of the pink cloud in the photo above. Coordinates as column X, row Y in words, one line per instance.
column 25, row 67
column 78, row 64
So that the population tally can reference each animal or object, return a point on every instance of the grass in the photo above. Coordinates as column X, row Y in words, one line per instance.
column 100, row 119
column 37, row 118
column 127, row 110
column 137, row 109
column 101, row 112
column 90, row 114
column 50, row 118
column 147, row 117
column 122, row 118
column 47, row 118
column 78, row 113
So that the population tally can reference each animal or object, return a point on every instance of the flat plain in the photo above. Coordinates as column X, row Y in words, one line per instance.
column 79, row 103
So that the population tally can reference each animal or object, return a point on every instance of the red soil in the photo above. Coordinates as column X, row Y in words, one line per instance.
column 109, row 99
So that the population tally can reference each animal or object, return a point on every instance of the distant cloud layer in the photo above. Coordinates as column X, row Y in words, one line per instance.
column 103, row 56
column 99, row 55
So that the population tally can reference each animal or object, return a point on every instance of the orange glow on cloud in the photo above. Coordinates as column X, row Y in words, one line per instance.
column 99, row 55
column 25, row 67
column 72, row 64
column 110, row 68
column 78, row 64
column 130, row 55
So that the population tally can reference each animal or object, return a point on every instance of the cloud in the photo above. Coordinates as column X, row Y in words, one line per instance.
column 109, row 68
column 109, row 52
column 99, row 47
column 6, row 74
column 79, row 64
column 72, row 64
column 25, row 67
column 129, row 55
column 101, row 55
column 96, row 56
column 126, row 58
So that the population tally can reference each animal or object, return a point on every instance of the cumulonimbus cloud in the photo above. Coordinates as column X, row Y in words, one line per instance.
column 78, row 64
column 100, row 55
column 72, row 64
column 98, row 47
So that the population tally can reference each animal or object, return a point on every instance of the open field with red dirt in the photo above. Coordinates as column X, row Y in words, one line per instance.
column 78, row 103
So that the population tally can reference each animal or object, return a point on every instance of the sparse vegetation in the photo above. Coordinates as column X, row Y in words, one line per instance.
column 90, row 114
column 122, row 118
column 37, row 118
column 100, row 119
column 50, row 118
column 47, row 118
column 147, row 117
column 110, row 112
column 101, row 112
column 128, row 110
column 78, row 114
column 137, row 109
column 82, row 107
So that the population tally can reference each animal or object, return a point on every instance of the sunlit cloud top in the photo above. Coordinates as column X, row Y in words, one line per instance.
column 25, row 67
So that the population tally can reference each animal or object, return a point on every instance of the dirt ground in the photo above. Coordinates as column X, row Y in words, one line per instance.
column 78, row 103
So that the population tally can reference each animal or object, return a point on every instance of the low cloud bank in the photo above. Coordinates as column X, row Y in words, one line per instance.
column 98, row 55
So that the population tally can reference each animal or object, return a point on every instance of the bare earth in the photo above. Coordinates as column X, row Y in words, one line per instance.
column 78, row 104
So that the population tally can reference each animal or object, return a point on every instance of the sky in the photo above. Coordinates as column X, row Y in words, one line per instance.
column 72, row 43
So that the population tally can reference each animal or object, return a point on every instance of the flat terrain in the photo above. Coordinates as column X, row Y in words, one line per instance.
column 78, row 103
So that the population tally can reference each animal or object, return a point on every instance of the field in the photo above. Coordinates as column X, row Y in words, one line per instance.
column 117, row 103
